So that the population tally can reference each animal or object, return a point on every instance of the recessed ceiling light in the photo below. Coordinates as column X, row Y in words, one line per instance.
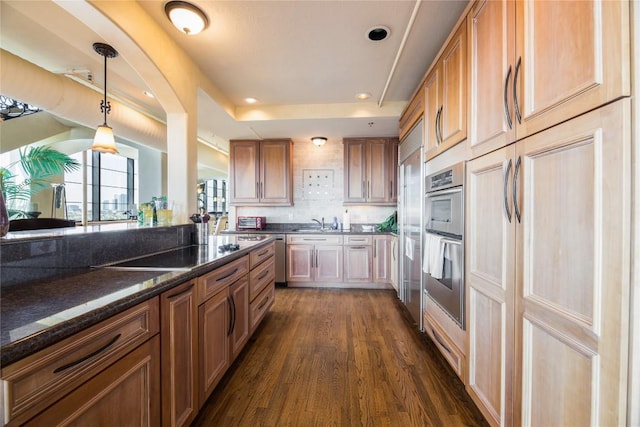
column 149, row 94
column 363, row 95
column 378, row 33
column 250, row 100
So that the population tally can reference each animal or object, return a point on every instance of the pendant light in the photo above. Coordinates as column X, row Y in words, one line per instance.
column 104, row 141
column 318, row 140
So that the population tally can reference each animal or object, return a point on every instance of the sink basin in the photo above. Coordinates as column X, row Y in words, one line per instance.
column 307, row 230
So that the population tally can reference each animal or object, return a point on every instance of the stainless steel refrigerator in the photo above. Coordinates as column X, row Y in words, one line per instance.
column 410, row 205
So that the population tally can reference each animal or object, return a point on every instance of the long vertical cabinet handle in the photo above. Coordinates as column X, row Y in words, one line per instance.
column 507, row 115
column 504, row 191
column 316, row 258
column 230, row 316
column 515, row 91
column 515, row 188
column 440, row 124
column 257, row 190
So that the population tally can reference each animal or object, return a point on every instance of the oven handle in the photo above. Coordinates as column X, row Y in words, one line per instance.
column 444, row 192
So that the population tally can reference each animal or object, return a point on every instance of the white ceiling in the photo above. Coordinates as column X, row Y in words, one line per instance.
column 303, row 60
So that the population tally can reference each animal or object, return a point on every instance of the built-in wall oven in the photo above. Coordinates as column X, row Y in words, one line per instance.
column 443, row 251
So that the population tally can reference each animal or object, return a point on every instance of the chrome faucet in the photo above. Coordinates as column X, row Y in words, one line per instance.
column 319, row 223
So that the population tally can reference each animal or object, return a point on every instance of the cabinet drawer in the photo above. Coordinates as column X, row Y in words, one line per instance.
column 314, row 239
column 357, row 240
column 213, row 282
column 260, row 306
column 259, row 255
column 37, row 381
column 260, row 277
column 452, row 354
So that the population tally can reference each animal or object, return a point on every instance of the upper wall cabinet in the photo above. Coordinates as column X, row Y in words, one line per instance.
column 261, row 172
column 411, row 114
column 445, row 94
column 536, row 64
column 370, row 166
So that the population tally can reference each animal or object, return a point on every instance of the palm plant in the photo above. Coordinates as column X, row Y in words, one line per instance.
column 39, row 164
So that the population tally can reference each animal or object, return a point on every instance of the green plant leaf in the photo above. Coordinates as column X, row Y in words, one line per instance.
column 42, row 162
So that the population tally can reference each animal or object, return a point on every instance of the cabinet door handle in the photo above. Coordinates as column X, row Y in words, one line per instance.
column 264, row 303
column 515, row 91
column 435, row 335
column 507, row 115
column 515, row 188
column 364, row 189
column 391, row 189
column 504, row 191
column 88, row 356
column 312, row 254
column 375, row 250
column 230, row 316
column 438, row 126
column 316, row 258
column 368, row 189
column 219, row 279
column 263, row 275
column 257, row 190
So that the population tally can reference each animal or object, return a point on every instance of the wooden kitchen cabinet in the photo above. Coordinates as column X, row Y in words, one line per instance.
column 382, row 259
column 370, row 166
column 446, row 97
column 548, row 292
column 313, row 258
column 412, row 113
column 94, row 361
column 126, row 393
column 214, row 322
column 394, row 262
column 179, row 354
column 358, row 259
column 261, row 172
column 536, row 64
column 239, row 297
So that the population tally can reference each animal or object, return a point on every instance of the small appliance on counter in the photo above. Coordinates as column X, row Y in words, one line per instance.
column 251, row 223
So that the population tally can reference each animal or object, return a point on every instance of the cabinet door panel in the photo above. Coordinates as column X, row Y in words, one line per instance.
column 382, row 259
column 179, row 331
column 357, row 264
column 575, row 57
column 377, row 171
column 490, row 276
column 328, row 263
column 431, row 111
column 244, row 169
column 355, row 171
column 275, row 176
column 573, row 276
column 453, row 119
column 239, row 293
column 491, row 28
column 299, row 263
column 213, row 320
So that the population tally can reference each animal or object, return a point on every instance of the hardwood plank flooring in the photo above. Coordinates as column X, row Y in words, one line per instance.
column 339, row 357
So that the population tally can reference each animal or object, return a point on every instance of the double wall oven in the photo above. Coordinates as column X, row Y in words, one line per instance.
column 443, row 252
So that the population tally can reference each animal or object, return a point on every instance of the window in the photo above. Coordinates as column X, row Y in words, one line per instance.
column 216, row 196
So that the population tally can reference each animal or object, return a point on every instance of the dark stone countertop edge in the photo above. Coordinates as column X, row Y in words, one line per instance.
column 24, row 347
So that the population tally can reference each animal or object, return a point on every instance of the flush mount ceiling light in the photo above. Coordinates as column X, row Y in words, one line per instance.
column 186, row 17
column 378, row 33
column 104, row 141
column 318, row 140
column 363, row 96
column 250, row 100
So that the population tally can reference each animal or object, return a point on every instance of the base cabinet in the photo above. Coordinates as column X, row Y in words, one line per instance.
column 126, row 393
column 382, row 269
column 313, row 258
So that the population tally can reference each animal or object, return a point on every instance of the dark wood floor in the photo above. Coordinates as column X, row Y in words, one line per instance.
column 331, row 357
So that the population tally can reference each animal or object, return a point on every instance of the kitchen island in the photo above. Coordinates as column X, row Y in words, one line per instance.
column 63, row 336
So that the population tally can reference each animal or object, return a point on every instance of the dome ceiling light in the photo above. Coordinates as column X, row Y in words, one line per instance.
column 378, row 33
column 104, row 141
column 318, row 140
column 186, row 17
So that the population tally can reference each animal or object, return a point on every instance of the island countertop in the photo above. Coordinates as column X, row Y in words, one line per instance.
column 38, row 314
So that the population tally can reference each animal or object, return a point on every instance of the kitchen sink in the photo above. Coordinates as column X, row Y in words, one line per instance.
column 308, row 230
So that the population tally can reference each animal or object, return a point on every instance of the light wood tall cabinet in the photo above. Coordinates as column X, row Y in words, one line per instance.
column 536, row 64
column 261, row 172
column 179, row 354
column 446, row 97
column 370, row 166
column 548, row 276
column 382, row 266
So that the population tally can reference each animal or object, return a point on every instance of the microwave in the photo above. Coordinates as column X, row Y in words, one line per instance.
column 251, row 223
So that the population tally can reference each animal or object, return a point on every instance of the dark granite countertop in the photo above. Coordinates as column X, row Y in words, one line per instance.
column 38, row 314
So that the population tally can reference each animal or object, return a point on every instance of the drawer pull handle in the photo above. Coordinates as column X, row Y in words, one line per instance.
column 358, row 247
column 358, row 240
column 263, row 275
column 314, row 240
column 263, row 252
column 264, row 303
column 88, row 356
column 228, row 275
column 435, row 334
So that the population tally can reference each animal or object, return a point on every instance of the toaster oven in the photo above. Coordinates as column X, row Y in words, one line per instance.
column 251, row 223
